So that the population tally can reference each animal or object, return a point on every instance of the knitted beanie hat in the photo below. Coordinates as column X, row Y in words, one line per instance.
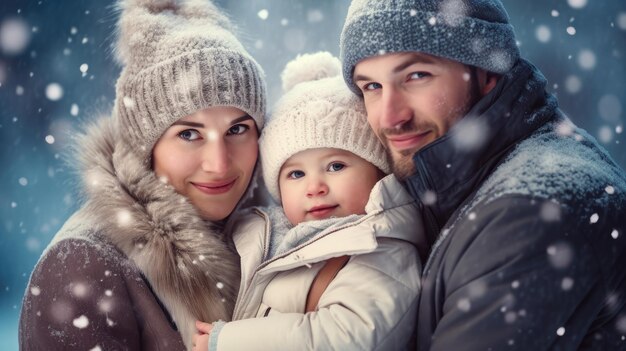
column 473, row 32
column 178, row 57
column 317, row 111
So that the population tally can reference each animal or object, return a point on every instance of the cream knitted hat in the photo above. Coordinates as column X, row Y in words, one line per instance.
column 178, row 57
column 317, row 111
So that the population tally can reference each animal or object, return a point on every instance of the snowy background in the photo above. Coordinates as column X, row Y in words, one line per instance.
column 56, row 69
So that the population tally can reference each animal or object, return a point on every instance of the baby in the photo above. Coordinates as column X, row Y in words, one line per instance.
column 336, row 267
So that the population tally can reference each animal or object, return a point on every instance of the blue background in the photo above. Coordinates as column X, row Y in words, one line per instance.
column 585, row 70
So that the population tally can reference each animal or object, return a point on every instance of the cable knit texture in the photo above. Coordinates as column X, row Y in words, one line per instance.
column 179, row 57
column 318, row 112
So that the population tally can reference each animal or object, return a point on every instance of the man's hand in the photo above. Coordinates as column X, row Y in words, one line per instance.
column 201, row 337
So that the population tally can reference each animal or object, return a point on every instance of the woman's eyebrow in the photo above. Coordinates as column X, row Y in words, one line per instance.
column 241, row 119
column 188, row 124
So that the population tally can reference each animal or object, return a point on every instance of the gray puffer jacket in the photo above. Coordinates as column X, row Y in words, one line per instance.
column 528, row 231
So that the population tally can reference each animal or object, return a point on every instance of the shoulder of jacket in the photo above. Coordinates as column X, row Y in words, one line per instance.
column 569, row 169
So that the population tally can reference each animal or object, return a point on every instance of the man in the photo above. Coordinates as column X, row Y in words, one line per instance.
column 523, row 209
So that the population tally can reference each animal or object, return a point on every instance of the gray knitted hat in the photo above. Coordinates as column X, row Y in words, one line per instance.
column 317, row 111
column 179, row 56
column 473, row 32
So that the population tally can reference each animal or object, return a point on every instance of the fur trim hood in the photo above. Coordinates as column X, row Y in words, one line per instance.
column 186, row 259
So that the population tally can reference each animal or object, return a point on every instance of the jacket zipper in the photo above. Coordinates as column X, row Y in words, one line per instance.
column 246, row 295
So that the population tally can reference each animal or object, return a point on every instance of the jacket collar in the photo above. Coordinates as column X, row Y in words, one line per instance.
column 390, row 213
column 182, row 256
column 516, row 107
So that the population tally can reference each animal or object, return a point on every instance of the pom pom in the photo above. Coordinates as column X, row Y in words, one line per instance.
column 135, row 25
column 310, row 67
column 154, row 6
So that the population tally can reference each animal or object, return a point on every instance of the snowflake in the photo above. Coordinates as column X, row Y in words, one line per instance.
column 81, row 322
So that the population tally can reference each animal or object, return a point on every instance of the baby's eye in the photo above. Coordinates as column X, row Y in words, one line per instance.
column 336, row 167
column 295, row 174
column 238, row 129
column 189, row 135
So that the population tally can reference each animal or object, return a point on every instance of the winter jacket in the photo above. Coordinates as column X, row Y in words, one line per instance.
column 528, row 232
column 370, row 305
column 133, row 268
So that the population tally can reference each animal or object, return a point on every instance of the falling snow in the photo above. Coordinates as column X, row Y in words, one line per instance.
column 428, row 198
column 54, row 91
column 263, row 14
column 567, row 283
column 81, row 322
column 550, row 211
column 587, row 60
column 464, row 305
column 560, row 255
column 543, row 33
column 124, row 218
column 573, row 84
column 571, row 30
column 14, row 36
column 610, row 108
column 577, row 4
column 52, row 79
column 621, row 20
column 614, row 234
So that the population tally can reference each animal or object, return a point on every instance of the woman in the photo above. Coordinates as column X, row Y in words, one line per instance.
column 147, row 253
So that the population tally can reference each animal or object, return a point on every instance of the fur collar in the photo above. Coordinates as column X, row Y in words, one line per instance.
column 186, row 259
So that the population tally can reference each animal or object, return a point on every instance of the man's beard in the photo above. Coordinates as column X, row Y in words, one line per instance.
column 402, row 161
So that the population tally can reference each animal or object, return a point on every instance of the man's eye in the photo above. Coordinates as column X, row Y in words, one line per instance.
column 295, row 174
column 418, row 75
column 336, row 167
column 238, row 129
column 189, row 135
column 371, row 86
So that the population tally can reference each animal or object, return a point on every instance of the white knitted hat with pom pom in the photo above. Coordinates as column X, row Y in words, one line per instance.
column 317, row 111
column 178, row 57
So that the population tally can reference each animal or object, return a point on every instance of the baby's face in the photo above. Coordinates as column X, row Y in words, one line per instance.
column 323, row 183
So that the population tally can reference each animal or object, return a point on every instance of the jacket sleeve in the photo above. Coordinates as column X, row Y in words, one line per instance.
column 518, row 273
column 371, row 304
column 77, row 299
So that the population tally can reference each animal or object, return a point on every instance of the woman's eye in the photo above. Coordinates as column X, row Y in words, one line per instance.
column 336, row 167
column 295, row 174
column 371, row 86
column 238, row 129
column 418, row 75
column 189, row 135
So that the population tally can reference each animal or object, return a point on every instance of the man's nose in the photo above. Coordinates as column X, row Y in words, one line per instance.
column 395, row 110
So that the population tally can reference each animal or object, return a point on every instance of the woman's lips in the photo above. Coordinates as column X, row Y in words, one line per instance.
column 320, row 212
column 405, row 142
column 215, row 188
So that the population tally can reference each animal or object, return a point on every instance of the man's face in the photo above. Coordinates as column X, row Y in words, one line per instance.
column 412, row 99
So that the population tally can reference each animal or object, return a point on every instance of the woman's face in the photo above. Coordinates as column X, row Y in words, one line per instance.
column 209, row 157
